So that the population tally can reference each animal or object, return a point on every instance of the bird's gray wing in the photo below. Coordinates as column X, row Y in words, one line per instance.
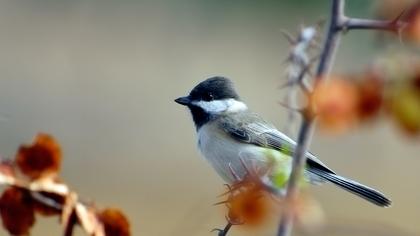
column 249, row 128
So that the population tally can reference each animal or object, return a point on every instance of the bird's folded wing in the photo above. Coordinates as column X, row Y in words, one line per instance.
column 250, row 128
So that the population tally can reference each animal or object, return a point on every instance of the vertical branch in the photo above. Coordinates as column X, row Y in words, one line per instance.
column 306, row 129
column 299, row 161
column 332, row 39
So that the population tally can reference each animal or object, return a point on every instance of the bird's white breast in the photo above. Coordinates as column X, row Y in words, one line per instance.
column 225, row 153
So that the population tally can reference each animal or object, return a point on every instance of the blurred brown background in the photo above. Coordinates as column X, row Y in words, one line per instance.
column 101, row 77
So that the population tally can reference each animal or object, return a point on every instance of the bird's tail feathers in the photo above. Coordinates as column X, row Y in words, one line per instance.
column 354, row 187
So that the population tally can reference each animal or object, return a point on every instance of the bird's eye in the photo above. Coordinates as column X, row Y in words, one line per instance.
column 208, row 97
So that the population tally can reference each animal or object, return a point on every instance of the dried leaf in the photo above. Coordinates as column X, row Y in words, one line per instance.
column 249, row 203
column 115, row 223
column 7, row 173
column 370, row 89
column 16, row 210
column 41, row 159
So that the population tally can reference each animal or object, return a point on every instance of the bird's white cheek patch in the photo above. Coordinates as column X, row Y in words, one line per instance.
column 219, row 106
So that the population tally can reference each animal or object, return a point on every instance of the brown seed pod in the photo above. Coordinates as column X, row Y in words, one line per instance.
column 115, row 223
column 40, row 159
column 16, row 210
column 335, row 104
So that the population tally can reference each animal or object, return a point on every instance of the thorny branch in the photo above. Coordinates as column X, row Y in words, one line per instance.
column 299, row 67
column 338, row 24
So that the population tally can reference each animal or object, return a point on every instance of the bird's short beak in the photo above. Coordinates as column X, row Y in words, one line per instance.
column 183, row 100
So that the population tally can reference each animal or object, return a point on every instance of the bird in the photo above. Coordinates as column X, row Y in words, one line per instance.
column 232, row 137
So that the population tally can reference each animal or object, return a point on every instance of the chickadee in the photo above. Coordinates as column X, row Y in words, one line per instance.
column 230, row 135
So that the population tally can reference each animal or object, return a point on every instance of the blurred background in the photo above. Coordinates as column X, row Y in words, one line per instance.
column 101, row 77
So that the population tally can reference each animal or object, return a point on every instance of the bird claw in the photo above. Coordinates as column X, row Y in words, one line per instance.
column 288, row 107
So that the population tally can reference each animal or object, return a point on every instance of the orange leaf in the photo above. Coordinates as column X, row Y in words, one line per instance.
column 41, row 159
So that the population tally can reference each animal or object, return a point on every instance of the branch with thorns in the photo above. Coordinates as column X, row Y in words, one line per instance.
column 299, row 67
column 338, row 23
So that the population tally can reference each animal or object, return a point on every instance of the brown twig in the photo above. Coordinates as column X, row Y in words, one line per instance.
column 338, row 23
column 224, row 231
column 355, row 23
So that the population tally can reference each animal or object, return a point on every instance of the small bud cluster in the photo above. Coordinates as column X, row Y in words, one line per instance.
column 34, row 188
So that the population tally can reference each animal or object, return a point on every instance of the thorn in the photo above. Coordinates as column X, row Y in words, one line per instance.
column 235, row 176
column 287, row 60
column 232, row 189
column 289, row 37
column 407, row 13
column 244, row 165
column 315, row 45
column 232, row 222
column 227, row 192
column 228, row 186
column 221, row 203
column 223, row 232
column 313, row 60
column 287, row 106
column 320, row 23
column 220, row 232
column 400, row 16
column 251, row 172
column 302, row 26
column 307, row 90
column 287, row 84
column 400, row 36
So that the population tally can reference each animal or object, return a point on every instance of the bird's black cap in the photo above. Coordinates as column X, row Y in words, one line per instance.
column 214, row 88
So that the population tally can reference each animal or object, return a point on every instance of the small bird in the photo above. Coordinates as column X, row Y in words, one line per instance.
column 231, row 137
